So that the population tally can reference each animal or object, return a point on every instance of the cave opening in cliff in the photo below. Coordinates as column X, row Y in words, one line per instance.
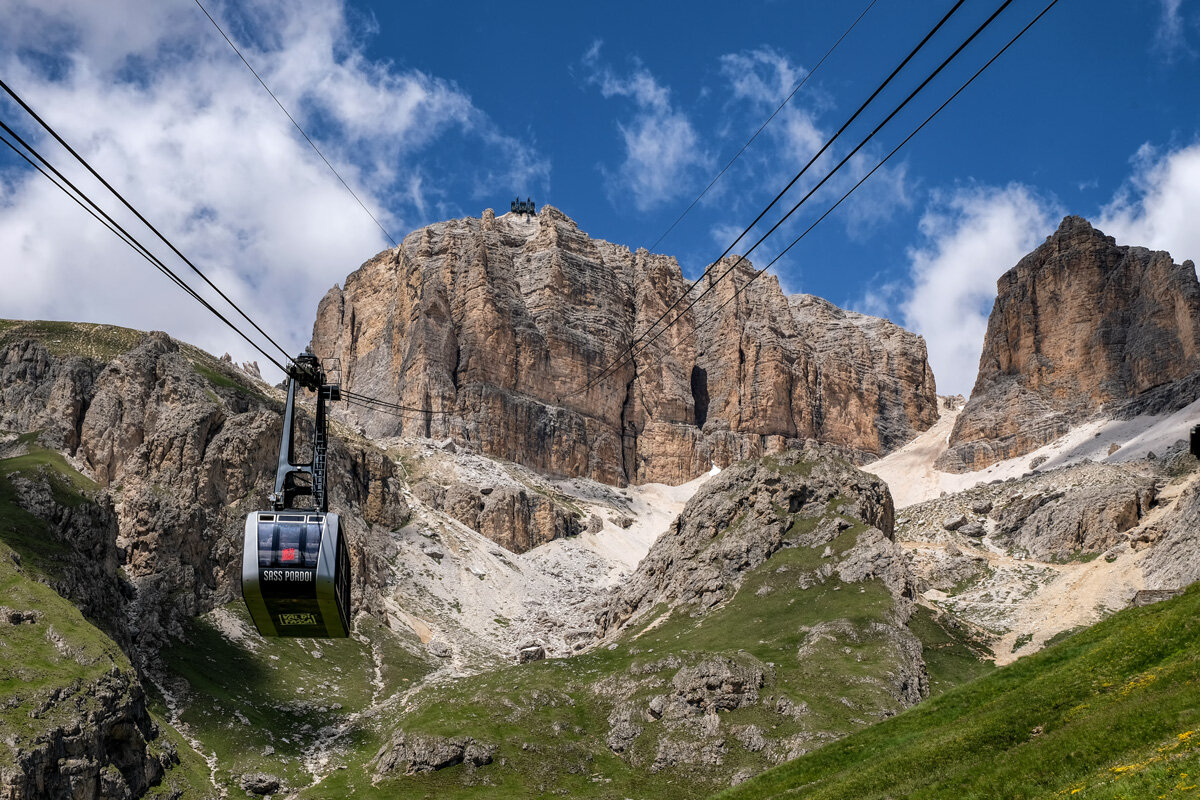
column 700, row 394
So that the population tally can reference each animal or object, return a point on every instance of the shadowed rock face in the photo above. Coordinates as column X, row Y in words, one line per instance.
column 505, row 325
column 1080, row 325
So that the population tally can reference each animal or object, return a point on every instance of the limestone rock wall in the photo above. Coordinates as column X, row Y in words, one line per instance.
column 516, row 519
column 181, row 460
column 1174, row 562
column 1080, row 325
column 503, row 325
column 805, row 519
column 105, row 752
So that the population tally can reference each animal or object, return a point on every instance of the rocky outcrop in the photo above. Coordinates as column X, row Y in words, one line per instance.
column 416, row 753
column 764, row 539
column 1174, row 562
column 1058, row 525
column 76, row 550
column 1080, row 326
column 716, row 684
column 517, row 519
column 102, row 753
column 39, row 392
column 740, row 518
column 503, row 326
column 185, row 446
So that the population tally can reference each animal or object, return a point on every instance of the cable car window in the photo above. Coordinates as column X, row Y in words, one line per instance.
column 291, row 540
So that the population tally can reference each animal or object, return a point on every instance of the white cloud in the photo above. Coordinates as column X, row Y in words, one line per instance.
column 1160, row 205
column 878, row 298
column 1171, row 37
column 664, row 157
column 759, row 80
column 165, row 110
column 970, row 238
column 973, row 235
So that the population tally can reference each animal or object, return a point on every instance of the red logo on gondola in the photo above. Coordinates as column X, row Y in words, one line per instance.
column 288, row 554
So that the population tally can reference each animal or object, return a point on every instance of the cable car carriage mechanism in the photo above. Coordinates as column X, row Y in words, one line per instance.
column 295, row 565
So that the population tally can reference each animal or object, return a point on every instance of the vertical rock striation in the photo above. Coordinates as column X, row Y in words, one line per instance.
column 1080, row 325
column 505, row 326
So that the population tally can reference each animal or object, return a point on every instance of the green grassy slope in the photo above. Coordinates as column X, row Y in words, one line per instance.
column 45, row 664
column 261, row 705
column 60, row 649
column 1110, row 712
column 97, row 342
column 61, row 652
column 952, row 655
column 103, row 343
column 550, row 719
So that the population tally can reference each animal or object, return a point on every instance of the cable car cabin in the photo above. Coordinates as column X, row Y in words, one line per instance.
column 296, row 574
column 295, row 562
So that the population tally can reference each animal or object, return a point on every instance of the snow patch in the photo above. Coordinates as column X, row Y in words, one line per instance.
column 910, row 474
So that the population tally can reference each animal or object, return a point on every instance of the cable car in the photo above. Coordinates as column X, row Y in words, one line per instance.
column 295, row 563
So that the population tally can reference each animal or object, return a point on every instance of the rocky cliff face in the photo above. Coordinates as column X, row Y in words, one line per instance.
column 769, row 618
column 1081, row 325
column 501, row 325
column 793, row 525
column 515, row 518
column 181, row 448
column 72, row 710
column 102, row 751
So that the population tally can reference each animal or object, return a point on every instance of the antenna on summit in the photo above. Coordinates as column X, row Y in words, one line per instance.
column 519, row 206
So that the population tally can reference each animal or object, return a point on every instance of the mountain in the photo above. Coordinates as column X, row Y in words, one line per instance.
column 130, row 460
column 181, row 445
column 770, row 617
column 1081, row 326
column 662, row 586
column 505, row 326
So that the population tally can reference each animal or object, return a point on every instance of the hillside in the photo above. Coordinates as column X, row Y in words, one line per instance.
column 156, row 449
column 1110, row 712
column 521, row 627
column 75, row 717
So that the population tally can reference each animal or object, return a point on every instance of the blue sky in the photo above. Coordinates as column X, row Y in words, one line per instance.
column 617, row 113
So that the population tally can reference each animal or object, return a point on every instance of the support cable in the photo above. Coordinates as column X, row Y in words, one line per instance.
column 97, row 217
column 629, row 352
column 124, row 235
column 885, row 159
column 384, row 405
column 296, row 124
column 632, row 353
column 799, row 85
column 46, row 126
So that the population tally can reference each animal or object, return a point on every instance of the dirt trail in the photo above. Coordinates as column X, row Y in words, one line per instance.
column 1080, row 595
column 175, row 719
